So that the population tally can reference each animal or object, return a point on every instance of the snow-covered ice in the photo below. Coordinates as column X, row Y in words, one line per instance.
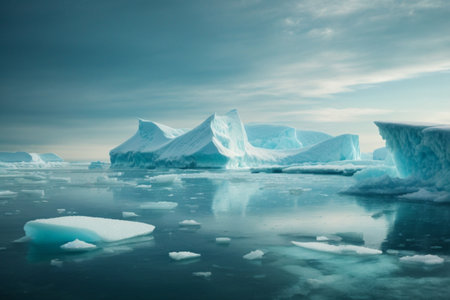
column 222, row 142
column 428, row 259
column 340, row 249
column 78, row 246
column 252, row 255
column 159, row 205
column 182, row 255
column 88, row 229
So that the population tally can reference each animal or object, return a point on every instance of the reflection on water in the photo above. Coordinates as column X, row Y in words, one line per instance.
column 257, row 211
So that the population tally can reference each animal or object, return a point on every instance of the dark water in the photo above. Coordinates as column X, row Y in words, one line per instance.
column 257, row 211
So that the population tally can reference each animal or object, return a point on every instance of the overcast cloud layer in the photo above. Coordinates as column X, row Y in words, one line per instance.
column 76, row 75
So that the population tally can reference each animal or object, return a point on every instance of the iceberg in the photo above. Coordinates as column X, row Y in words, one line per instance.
column 273, row 136
column 221, row 141
column 182, row 255
column 419, row 150
column 380, row 153
column 223, row 240
column 88, row 229
column 189, row 223
column 159, row 205
column 25, row 157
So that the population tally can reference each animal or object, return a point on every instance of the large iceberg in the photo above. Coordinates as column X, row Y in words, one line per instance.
column 272, row 136
column 420, row 151
column 221, row 141
column 88, row 229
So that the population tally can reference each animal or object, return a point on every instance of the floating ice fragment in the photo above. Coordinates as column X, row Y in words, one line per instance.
column 7, row 194
column 223, row 240
column 159, row 205
column 257, row 254
column 144, row 186
column 202, row 274
column 423, row 259
column 322, row 238
column 341, row 249
column 60, row 210
column 78, row 246
column 60, row 179
column 129, row 214
column 56, row 263
column 163, row 179
column 189, row 223
column 89, row 229
column 34, row 193
column 182, row 255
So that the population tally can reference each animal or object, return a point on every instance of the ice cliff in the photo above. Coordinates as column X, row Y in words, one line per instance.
column 222, row 141
column 420, row 151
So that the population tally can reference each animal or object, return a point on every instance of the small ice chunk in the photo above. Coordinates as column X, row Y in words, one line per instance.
column 163, row 179
column 341, row 249
column 223, row 240
column 322, row 238
column 202, row 274
column 189, row 223
column 257, row 254
column 428, row 259
column 159, row 205
column 34, row 193
column 182, row 255
column 7, row 194
column 60, row 210
column 78, row 246
column 144, row 186
column 89, row 229
column 56, row 263
column 129, row 214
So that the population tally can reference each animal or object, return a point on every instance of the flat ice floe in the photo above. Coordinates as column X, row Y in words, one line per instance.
column 163, row 179
column 257, row 254
column 129, row 214
column 340, row 249
column 7, row 194
column 78, row 246
column 202, row 274
column 88, row 229
column 423, row 259
column 189, row 223
column 34, row 193
column 159, row 205
column 182, row 255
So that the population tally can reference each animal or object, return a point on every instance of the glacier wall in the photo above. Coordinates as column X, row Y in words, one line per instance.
column 419, row 150
column 221, row 141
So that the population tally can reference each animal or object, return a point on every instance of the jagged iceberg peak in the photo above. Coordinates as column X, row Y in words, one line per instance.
column 419, row 150
column 221, row 141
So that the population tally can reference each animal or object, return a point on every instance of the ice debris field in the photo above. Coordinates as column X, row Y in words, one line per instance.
column 272, row 211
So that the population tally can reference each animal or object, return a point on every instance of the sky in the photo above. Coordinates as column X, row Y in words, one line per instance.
column 75, row 76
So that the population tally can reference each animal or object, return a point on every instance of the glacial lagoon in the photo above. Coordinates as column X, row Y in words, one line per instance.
column 256, row 211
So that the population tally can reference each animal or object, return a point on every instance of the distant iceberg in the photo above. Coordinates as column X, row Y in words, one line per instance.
column 223, row 142
column 25, row 159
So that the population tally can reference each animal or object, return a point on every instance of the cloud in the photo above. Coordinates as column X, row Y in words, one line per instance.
column 336, row 115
